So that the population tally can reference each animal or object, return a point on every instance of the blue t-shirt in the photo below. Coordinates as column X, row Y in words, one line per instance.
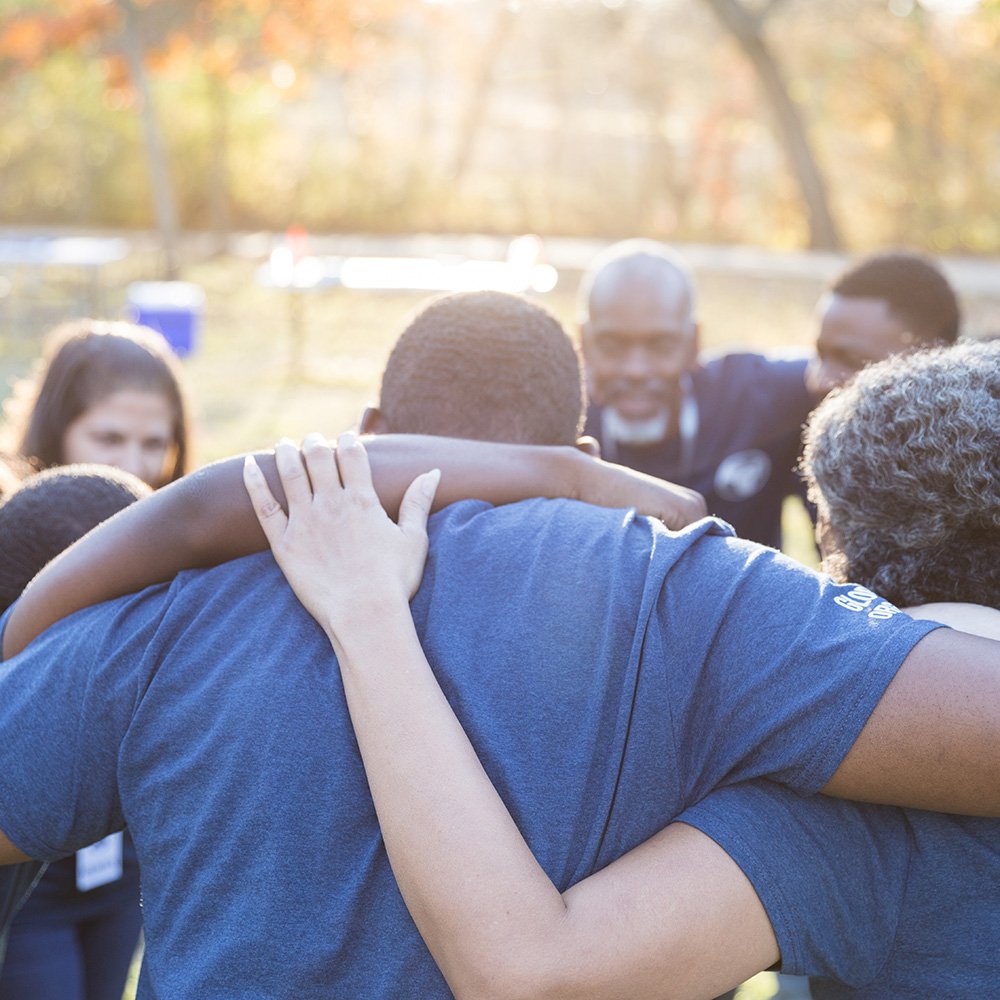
column 750, row 411
column 878, row 902
column 609, row 673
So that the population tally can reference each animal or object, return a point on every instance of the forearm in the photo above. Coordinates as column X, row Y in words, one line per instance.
column 206, row 518
column 507, row 473
column 201, row 520
column 472, row 885
column 676, row 910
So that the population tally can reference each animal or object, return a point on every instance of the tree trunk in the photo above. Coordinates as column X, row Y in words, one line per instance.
column 745, row 27
column 475, row 109
column 164, row 203
column 218, row 185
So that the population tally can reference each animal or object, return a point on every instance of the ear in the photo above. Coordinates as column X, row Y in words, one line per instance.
column 694, row 348
column 584, row 338
column 589, row 446
column 372, row 421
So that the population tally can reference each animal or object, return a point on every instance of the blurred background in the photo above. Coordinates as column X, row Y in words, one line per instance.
column 785, row 123
column 251, row 148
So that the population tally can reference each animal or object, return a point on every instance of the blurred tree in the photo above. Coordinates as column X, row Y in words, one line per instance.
column 38, row 31
column 478, row 91
column 746, row 24
column 164, row 202
column 226, row 40
column 588, row 117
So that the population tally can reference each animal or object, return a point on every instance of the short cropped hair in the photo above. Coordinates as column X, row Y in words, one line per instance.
column 50, row 511
column 84, row 362
column 914, row 288
column 487, row 366
column 905, row 464
column 636, row 260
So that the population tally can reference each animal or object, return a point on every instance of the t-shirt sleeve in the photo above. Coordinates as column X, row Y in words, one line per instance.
column 830, row 874
column 772, row 669
column 65, row 704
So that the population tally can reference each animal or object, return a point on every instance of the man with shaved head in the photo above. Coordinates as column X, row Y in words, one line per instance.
column 728, row 427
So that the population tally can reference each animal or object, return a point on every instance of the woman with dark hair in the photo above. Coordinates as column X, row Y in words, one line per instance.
column 108, row 393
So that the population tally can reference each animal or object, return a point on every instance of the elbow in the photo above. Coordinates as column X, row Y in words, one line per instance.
column 523, row 974
column 504, row 985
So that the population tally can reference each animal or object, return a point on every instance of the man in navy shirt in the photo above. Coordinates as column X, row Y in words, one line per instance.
column 730, row 426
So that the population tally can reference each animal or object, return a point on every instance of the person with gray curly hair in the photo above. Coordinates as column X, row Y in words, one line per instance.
column 903, row 464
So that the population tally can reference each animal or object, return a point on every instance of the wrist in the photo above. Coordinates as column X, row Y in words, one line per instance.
column 359, row 618
column 579, row 471
column 371, row 639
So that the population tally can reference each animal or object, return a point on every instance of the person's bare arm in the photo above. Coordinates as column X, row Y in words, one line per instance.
column 675, row 917
column 205, row 518
column 9, row 854
column 933, row 740
column 975, row 618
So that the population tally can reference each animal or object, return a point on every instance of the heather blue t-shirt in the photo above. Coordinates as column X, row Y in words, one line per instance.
column 609, row 672
column 878, row 902
column 742, row 457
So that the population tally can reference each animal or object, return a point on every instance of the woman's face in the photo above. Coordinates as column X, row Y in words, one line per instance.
column 131, row 429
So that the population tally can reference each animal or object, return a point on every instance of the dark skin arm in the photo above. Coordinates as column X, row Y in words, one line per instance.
column 933, row 741
column 206, row 518
column 9, row 854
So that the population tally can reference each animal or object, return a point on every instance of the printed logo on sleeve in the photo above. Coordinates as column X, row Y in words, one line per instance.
column 862, row 599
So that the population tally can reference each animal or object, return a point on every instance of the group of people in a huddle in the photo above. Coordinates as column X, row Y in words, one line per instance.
column 460, row 708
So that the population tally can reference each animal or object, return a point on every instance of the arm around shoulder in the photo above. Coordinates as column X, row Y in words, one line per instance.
column 933, row 741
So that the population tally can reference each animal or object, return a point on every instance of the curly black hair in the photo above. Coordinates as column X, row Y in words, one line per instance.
column 487, row 366
column 904, row 464
column 50, row 511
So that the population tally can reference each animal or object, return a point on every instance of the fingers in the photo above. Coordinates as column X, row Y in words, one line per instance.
column 269, row 513
column 352, row 462
column 293, row 474
column 417, row 501
column 321, row 463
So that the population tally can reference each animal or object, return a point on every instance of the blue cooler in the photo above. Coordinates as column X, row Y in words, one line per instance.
column 172, row 308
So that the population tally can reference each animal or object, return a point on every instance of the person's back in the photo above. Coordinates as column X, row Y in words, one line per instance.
column 584, row 672
column 219, row 733
column 235, row 766
column 903, row 463
column 610, row 673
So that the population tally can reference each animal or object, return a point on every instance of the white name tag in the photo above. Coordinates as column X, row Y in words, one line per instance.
column 100, row 863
